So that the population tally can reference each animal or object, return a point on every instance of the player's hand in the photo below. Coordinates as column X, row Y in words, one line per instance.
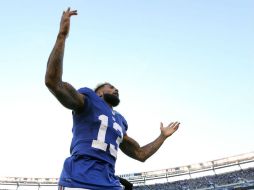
column 170, row 129
column 65, row 21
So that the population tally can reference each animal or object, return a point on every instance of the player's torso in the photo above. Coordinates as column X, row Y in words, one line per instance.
column 98, row 131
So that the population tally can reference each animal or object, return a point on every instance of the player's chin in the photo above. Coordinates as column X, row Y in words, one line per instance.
column 113, row 100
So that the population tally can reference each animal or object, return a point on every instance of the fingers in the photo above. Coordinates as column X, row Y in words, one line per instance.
column 70, row 13
column 177, row 123
column 174, row 125
column 74, row 12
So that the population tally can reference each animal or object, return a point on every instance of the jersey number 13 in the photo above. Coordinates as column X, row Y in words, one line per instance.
column 99, row 143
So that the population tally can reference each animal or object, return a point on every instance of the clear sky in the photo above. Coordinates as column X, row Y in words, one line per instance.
column 187, row 61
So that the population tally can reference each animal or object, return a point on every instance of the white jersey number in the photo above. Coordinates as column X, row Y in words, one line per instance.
column 99, row 143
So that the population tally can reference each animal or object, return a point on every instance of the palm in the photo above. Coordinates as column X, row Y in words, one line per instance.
column 170, row 129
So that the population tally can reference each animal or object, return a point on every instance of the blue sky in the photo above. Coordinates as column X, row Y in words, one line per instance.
column 190, row 61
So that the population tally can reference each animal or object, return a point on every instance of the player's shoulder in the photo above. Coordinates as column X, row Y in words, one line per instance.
column 86, row 91
column 91, row 98
column 118, row 114
column 123, row 120
column 89, row 93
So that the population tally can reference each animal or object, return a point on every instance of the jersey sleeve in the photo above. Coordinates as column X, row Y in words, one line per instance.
column 125, row 123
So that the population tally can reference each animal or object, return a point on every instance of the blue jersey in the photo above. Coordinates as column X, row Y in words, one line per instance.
column 97, row 133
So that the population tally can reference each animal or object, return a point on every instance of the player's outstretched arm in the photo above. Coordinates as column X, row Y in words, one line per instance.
column 63, row 91
column 131, row 148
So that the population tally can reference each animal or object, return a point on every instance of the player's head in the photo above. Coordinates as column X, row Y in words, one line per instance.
column 109, row 93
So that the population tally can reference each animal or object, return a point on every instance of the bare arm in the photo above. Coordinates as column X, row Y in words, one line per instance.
column 64, row 92
column 131, row 148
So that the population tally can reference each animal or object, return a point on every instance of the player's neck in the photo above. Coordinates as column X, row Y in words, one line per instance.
column 110, row 106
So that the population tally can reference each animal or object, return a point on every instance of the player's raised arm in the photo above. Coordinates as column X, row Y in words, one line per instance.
column 64, row 92
column 131, row 148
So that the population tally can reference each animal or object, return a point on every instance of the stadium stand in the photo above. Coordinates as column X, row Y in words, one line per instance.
column 230, row 180
column 236, row 172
